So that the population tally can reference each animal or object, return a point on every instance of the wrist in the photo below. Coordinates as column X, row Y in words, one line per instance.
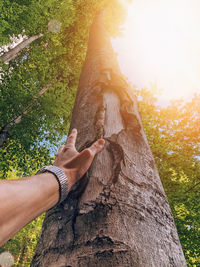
column 47, row 189
column 70, row 176
column 61, row 177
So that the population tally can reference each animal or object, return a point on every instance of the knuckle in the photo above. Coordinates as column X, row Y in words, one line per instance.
column 88, row 151
column 65, row 148
column 94, row 146
column 91, row 152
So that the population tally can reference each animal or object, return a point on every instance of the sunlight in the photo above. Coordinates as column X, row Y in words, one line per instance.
column 161, row 43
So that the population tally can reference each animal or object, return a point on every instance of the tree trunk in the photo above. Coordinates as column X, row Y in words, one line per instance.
column 122, row 218
column 13, row 53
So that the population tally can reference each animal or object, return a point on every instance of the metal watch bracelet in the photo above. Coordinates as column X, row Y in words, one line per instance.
column 60, row 177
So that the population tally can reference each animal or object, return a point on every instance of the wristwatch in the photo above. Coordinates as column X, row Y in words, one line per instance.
column 60, row 177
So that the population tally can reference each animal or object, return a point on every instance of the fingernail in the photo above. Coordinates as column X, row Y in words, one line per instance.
column 101, row 142
column 74, row 130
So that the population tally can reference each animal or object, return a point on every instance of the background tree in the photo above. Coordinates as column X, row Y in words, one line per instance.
column 13, row 53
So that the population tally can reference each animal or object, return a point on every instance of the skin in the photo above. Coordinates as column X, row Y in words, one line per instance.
column 25, row 199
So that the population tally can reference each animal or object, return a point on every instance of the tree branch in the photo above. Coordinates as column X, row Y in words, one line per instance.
column 192, row 187
column 13, row 53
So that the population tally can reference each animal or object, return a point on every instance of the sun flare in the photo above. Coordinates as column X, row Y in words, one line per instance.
column 161, row 41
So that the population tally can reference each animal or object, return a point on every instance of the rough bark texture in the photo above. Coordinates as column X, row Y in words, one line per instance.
column 122, row 218
column 13, row 53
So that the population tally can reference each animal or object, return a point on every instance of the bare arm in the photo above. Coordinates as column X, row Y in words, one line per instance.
column 23, row 200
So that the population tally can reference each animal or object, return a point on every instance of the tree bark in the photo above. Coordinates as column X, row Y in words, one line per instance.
column 13, row 53
column 122, row 218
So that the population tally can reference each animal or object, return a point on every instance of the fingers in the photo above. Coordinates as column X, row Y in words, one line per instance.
column 83, row 160
column 71, row 140
column 79, row 165
column 59, row 151
column 96, row 147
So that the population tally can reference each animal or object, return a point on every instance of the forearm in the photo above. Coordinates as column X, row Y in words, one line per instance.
column 23, row 200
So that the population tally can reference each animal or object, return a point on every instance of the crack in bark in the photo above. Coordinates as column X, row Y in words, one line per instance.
column 100, row 240
column 118, row 156
column 106, row 198
column 73, row 226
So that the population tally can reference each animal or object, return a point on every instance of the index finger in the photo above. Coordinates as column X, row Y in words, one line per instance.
column 71, row 140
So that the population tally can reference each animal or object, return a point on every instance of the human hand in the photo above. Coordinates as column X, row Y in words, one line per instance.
column 73, row 163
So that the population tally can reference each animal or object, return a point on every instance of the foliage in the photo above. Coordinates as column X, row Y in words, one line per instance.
column 32, row 16
column 22, row 245
column 173, row 134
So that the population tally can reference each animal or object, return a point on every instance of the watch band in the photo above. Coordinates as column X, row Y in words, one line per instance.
column 61, row 178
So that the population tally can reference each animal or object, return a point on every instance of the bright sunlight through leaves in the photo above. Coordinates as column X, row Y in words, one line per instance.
column 160, row 46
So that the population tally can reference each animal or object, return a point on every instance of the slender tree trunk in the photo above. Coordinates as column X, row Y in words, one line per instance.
column 123, row 218
column 8, row 56
column 13, row 53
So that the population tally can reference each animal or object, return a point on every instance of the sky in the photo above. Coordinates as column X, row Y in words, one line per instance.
column 160, row 47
